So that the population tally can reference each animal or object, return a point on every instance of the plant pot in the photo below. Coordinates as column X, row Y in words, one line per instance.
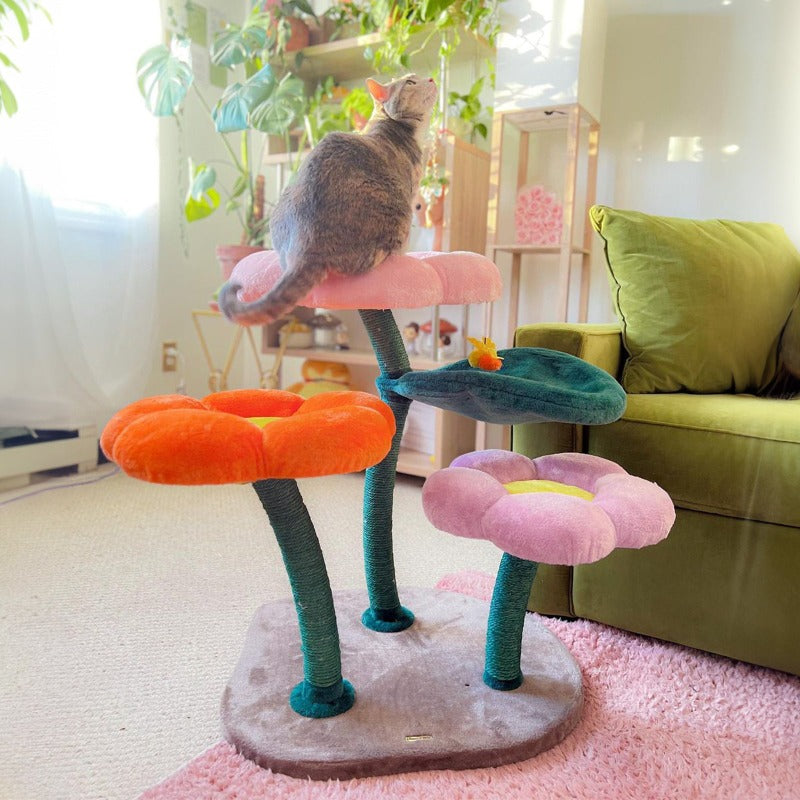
column 300, row 35
column 229, row 255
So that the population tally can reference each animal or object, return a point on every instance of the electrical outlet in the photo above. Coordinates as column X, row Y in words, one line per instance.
column 169, row 356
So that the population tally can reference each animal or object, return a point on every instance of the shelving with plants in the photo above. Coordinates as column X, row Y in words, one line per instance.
column 458, row 167
column 292, row 97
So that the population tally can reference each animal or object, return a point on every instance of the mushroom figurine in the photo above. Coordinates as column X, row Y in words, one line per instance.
column 567, row 508
column 447, row 331
column 267, row 438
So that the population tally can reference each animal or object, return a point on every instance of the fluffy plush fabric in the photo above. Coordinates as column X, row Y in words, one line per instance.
column 660, row 721
column 413, row 280
column 179, row 440
column 533, row 385
column 470, row 499
column 701, row 303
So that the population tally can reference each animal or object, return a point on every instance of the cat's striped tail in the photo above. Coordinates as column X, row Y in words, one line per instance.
column 292, row 287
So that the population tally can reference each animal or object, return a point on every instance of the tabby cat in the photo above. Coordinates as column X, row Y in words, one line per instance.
column 350, row 204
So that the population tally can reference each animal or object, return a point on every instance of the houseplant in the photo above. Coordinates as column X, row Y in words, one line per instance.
column 269, row 100
column 407, row 28
column 400, row 20
column 467, row 116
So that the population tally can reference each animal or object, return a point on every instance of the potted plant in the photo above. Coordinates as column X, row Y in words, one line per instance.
column 347, row 18
column 269, row 100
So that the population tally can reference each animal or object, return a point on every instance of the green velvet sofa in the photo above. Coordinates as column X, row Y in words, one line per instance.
column 727, row 578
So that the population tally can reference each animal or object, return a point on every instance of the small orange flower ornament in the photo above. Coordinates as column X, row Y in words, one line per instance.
column 484, row 356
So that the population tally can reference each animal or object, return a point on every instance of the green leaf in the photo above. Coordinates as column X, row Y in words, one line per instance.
column 231, row 112
column 434, row 8
column 481, row 129
column 274, row 112
column 164, row 79
column 203, row 179
column 240, row 186
column 304, row 7
column 359, row 101
column 200, row 209
column 8, row 102
column 234, row 111
column 476, row 89
column 202, row 198
column 236, row 45
column 19, row 13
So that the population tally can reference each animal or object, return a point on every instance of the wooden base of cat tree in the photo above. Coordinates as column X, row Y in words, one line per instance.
column 421, row 703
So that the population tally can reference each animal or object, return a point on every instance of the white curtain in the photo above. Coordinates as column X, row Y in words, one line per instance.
column 78, row 220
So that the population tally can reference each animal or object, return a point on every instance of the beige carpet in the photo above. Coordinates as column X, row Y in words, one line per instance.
column 123, row 608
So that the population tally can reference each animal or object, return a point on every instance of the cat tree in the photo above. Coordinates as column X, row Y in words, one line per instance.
column 400, row 686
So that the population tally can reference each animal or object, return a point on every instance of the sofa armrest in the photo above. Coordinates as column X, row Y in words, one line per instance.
column 600, row 345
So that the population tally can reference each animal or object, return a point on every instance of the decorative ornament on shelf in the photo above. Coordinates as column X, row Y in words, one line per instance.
column 538, row 216
column 295, row 334
column 321, row 376
column 447, row 332
column 325, row 326
column 411, row 338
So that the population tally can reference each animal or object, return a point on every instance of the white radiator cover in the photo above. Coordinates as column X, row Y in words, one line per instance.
column 18, row 464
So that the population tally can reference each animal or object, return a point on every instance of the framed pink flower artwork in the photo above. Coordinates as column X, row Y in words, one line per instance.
column 538, row 216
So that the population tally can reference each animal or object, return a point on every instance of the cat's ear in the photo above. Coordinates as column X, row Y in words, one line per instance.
column 379, row 92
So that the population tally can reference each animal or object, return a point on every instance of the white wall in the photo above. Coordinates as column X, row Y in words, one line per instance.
column 731, row 78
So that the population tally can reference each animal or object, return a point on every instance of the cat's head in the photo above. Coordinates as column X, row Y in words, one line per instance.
column 407, row 99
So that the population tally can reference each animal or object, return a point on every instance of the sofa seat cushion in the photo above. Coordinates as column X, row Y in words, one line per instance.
column 735, row 455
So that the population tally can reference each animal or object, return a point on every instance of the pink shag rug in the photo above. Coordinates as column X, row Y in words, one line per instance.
column 660, row 721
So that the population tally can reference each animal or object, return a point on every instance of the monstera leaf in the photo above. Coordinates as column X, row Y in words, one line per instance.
column 262, row 103
column 232, row 112
column 235, row 44
column 276, row 112
column 164, row 78
column 202, row 199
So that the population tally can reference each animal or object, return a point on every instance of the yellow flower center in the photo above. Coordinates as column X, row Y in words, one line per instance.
column 524, row 487
column 262, row 421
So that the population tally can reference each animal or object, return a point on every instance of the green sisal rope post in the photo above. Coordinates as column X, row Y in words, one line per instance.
column 322, row 692
column 385, row 612
column 506, row 620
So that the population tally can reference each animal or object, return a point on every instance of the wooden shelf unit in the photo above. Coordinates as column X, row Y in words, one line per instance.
column 344, row 58
column 464, row 227
column 574, row 121
column 355, row 356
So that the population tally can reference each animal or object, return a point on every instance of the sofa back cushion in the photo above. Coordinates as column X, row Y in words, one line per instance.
column 701, row 303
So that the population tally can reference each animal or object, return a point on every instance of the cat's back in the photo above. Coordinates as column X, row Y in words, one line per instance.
column 350, row 181
column 344, row 157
